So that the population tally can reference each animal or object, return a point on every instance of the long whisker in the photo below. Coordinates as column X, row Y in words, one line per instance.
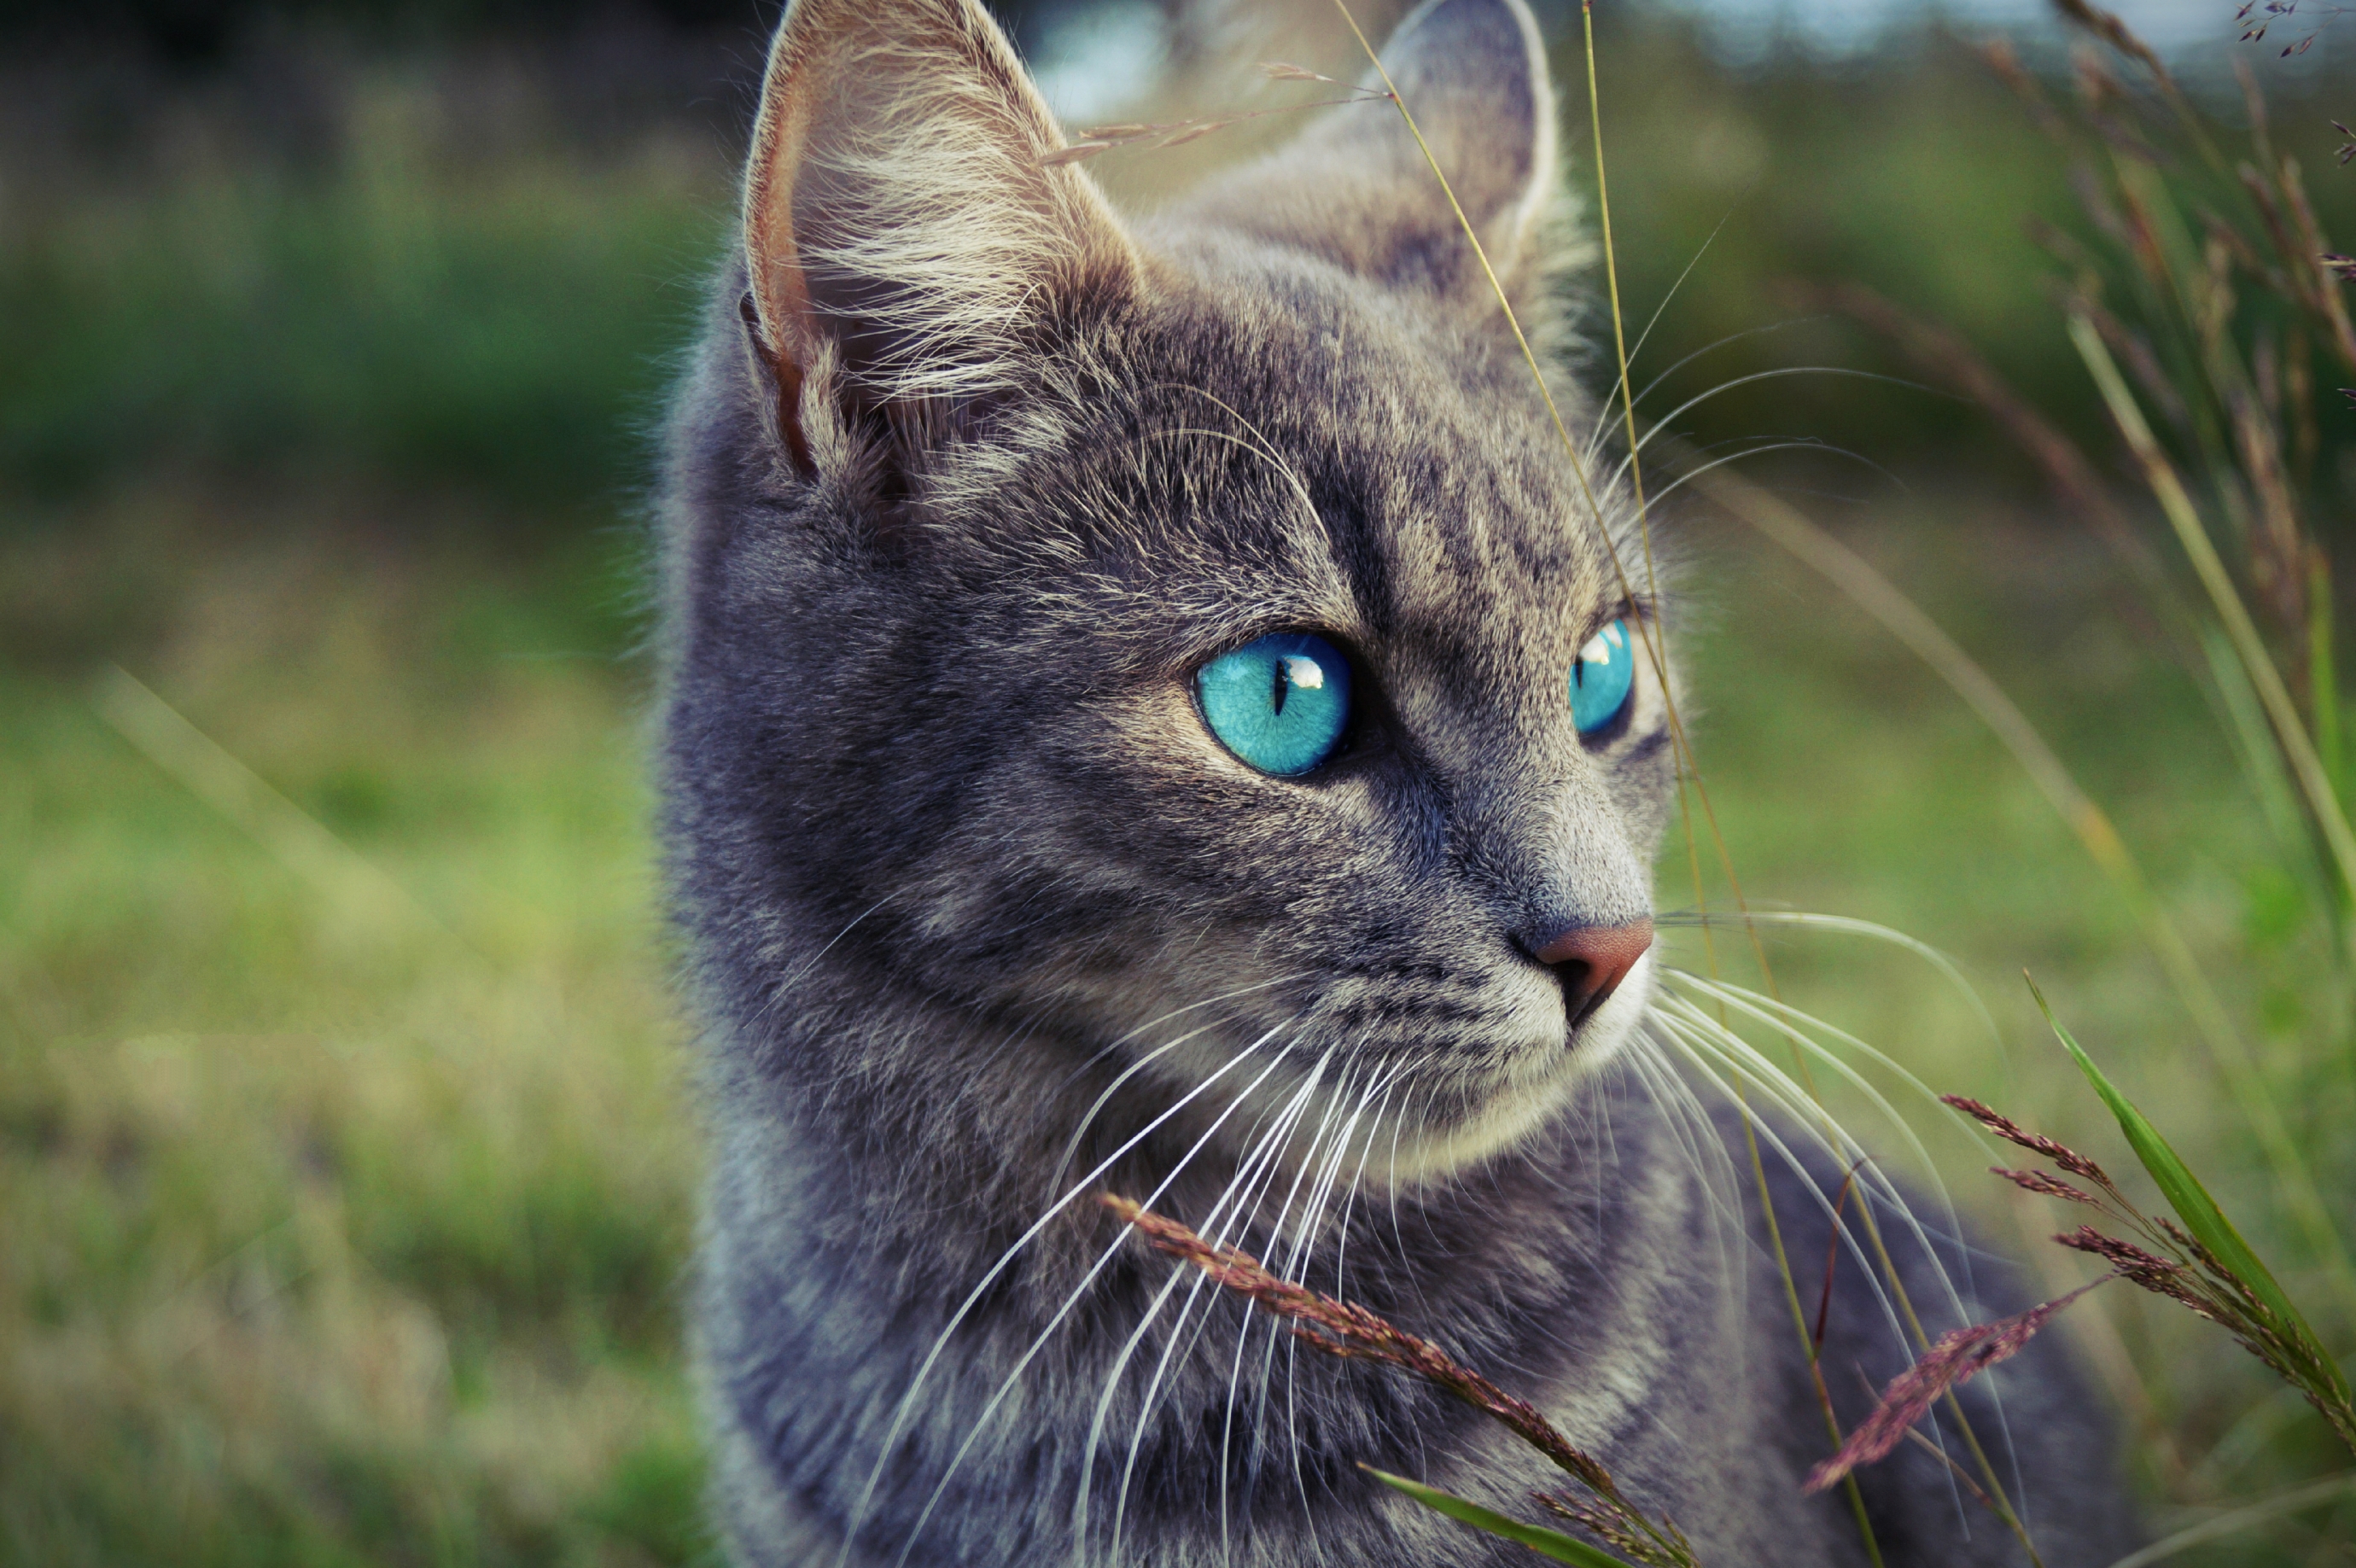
column 1833, row 1138
column 1777, row 373
column 1387, row 1083
column 1707, row 1049
column 1603, row 421
column 1260, row 1150
column 1688, row 1120
column 1707, row 1155
column 906, row 1408
column 1078, row 1293
column 1759, row 1007
column 1850, row 926
column 1072, row 1144
column 1243, row 1340
column 1636, row 351
column 1240, row 1217
column 1232, row 1221
column 1311, row 1222
column 1794, row 1024
column 1872, row 1186
column 1762, row 449
column 1302, row 1234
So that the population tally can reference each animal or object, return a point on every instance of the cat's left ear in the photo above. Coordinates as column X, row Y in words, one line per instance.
column 910, row 236
column 1357, row 187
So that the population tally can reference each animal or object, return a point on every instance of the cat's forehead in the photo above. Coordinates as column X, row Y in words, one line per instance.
column 1425, row 464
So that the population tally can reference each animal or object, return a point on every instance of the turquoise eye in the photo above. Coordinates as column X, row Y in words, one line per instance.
column 1280, row 703
column 1601, row 678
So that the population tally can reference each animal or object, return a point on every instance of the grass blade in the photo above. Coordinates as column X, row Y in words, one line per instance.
column 1874, row 593
column 2190, row 1200
column 2239, row 1519
column 1546, row 1543
column 2298, row 750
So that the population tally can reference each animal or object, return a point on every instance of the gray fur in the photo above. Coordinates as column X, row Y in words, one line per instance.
column 969, row 477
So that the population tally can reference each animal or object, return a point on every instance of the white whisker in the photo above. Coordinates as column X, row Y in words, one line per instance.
column 1072, row 1144
column 1283, row 1133
column 907, row 1407
column 1848, row 925
column 1603, row 421
column 1724, row 387
column 1078, row 1292
column 1703, row 1046
column 1260, row 1150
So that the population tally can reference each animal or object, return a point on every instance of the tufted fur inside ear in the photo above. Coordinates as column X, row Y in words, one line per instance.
column 902, row 236
column 1356, row 189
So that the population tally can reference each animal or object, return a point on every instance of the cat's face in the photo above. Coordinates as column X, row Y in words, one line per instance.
column 977, row 695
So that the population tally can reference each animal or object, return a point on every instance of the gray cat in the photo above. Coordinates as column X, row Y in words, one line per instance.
column 1153, row 709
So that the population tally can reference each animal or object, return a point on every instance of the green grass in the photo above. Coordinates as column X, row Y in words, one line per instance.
column 1850, row 781
column 458, row 290
column 341, row 1228
column 473, row 275
column 349, row 1227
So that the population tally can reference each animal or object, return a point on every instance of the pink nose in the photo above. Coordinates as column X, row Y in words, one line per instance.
column 1592, row 960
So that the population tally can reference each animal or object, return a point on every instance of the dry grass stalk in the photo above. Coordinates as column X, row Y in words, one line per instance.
column 1346, row 1330
column 1954, row 1359
column 1176, row 133
column 2169, row 1261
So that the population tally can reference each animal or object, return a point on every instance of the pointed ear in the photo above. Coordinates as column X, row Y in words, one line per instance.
column 908, row 240
column 1356, row 188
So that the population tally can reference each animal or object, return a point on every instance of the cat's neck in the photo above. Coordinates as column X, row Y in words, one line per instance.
column 922, row 1291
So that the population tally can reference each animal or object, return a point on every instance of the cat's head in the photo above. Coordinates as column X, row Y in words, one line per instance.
column 1181, row 645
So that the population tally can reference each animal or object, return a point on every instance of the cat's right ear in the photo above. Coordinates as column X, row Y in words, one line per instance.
column 910, row 237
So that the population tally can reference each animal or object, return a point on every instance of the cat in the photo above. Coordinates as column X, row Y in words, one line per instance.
column 1152, row 708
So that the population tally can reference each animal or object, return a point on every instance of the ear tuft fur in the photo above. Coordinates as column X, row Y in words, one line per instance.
column 1356, row 188
column 898, row 210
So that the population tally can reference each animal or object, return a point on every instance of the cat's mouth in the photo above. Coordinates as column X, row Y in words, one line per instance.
column 1527, row 1088
column 1431, row 1096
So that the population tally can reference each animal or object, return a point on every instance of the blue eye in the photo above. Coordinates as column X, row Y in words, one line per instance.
column 1280, row 703
column 1601, row 678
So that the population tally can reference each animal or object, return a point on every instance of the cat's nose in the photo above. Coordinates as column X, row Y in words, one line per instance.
column 1590, row 960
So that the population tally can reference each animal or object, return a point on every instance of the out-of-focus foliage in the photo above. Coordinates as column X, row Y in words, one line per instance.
column 1914, row 172
column 423, row 274
column 471, row 266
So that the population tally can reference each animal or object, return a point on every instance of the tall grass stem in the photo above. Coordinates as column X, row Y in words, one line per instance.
column 1904, row 619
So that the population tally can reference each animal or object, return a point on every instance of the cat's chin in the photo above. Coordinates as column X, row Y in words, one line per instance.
column 1529, row 1097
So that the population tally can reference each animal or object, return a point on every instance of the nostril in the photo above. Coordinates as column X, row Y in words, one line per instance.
column 1589, row 961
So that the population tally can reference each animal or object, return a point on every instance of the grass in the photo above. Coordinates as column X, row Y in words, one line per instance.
column 447, row 279
column 1928, row 827
column 338, row 1237
column 341, row 1229
column 349, row 1190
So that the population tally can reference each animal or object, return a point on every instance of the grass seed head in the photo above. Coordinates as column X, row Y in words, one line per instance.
column 1954, row 1358
column 2045, row 1186
column 2013, row 1133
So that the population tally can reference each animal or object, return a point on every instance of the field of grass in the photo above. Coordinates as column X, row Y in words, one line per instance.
column 345, row 1191
column 346, row 1150
column 348, row 1189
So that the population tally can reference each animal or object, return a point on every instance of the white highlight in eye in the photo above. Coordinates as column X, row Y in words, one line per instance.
column 1600, row 646
column 1305, row 673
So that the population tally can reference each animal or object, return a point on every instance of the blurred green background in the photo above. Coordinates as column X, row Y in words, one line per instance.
column 346, row 1153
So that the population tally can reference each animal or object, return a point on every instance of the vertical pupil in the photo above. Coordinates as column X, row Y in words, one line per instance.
column 1283, row 685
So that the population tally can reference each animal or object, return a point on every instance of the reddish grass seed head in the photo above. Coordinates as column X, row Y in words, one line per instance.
column 2012, row 1132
